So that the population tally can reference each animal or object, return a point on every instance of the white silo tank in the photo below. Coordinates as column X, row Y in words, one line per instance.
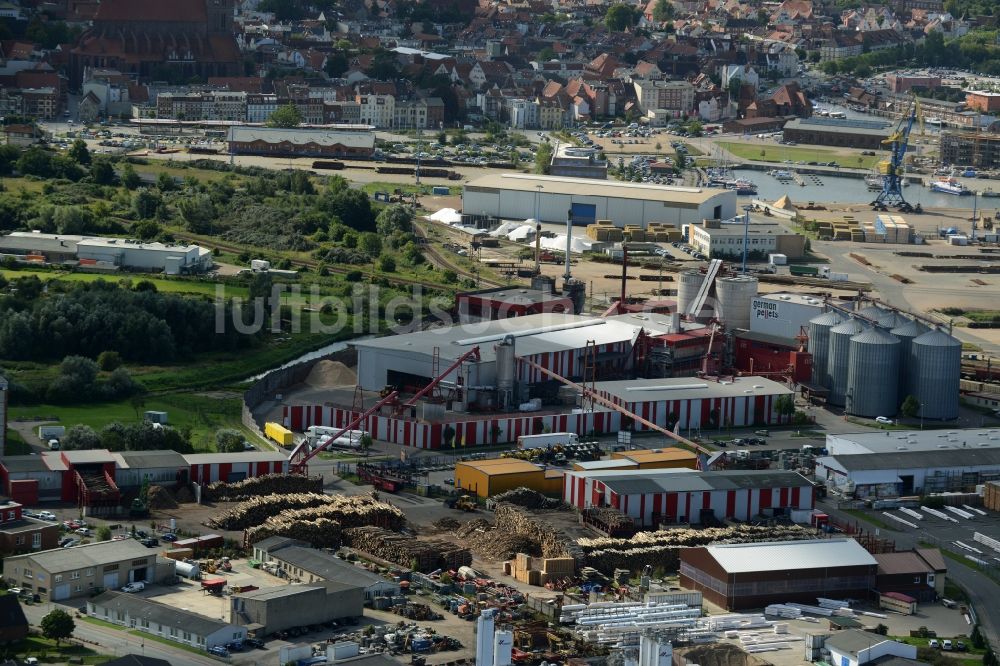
column 506, row 363
column 503, row 648
column 734, row 297
column 687, row 289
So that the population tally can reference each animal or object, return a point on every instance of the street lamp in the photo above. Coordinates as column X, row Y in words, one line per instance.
column 746, row 234
column 921, row 416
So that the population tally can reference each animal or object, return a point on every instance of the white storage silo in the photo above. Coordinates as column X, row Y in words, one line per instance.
column 734, row 296
column 687, row 289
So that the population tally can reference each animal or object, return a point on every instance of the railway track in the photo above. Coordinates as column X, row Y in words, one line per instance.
column 213, row 244
column 439, row 259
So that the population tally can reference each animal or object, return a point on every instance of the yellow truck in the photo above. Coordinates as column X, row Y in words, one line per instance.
column 278, row 433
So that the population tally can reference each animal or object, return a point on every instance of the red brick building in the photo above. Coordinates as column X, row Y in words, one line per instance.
column 191, row 37
column 21, row 535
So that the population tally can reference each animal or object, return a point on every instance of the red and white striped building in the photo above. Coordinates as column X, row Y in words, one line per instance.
column 654, row 496
column 698, row 403
column 743, row 401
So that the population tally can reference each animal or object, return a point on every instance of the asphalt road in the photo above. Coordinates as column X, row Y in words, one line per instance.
column 983, row 591
column 117, row 642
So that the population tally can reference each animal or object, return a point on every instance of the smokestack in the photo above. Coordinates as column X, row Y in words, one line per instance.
column 538, row 247
column 621, row 301
column 569, row 242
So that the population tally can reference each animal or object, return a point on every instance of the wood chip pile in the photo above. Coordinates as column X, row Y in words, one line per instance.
column 269, row 484
column 527, row 498
column 159, row 497
column 354, row 511
column 424, row 556
column 662, row 549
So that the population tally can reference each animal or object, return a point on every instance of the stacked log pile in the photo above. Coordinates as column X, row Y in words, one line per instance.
column 269, row 484
column 342, row 512
column 318, row 532
column 552, row 542
column 424, row 556
column 662, row 549
column 257, row 510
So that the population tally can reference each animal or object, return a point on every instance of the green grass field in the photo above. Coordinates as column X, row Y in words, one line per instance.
column 179, row 286
column 778, row 154
column 204, row 413
column 46, row 651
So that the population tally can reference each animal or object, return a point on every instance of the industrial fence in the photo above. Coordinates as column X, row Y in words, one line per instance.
column 276, row 381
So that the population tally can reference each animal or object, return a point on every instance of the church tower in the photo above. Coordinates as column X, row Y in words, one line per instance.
column 220, row 16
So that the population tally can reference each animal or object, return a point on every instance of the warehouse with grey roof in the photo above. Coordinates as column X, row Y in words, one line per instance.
column 515, row 196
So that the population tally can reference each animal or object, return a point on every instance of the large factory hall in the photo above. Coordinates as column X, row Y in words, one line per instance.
column 722, row 354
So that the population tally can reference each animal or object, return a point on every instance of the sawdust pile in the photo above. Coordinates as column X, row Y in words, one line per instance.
column 159, row 497
column 184, row 495
column 330, row 374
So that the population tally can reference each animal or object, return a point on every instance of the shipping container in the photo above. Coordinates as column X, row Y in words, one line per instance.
column 837, row 277
column 278, row 433
column 47, row 432
column 777, row 259
column 803, row 270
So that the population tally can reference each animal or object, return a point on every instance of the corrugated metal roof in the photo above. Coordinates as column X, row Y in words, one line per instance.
column 936, row 458
column 901, row 563
column 239, row 457
column 596, row 188
column 497, row 466
column 679, row 480
column 790, row 555
column 689, row 388
column 162, row 614
column 92, row 554
column 352, row 138
column 653, row 455
column 888, row 441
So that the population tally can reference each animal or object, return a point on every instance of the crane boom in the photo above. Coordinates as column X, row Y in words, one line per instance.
column 299, row 466
column 596, row 397
column 892, row 169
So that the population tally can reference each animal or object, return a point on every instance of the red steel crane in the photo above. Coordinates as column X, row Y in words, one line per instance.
column 300, row 466
column 596, row 397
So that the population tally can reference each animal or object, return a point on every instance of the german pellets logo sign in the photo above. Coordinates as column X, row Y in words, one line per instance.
column 764, row 309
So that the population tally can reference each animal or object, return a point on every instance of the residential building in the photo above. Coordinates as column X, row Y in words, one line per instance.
column 951, row 114
column 41, row 103
column 841, row 45
column 309, row 565
column 162, row 620
column 260, row 107
column 522, row 113
column 273, row 609
column 379, row 111
column 225, row 105
column 676, row 97
column 19, row 534
column 65, row 573
column 976, row 149
column 20, row 135
column 551, row 115
column 987, row 102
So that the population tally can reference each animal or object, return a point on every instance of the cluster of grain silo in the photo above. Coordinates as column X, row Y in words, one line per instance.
column 871, row 362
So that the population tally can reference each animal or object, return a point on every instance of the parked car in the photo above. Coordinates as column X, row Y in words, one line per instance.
column 933, row 643
column 169, row 536
column 960, row 646
column 946, row 644
column 884, row 420
column 71, row 543
column 137, row 586
column 254, row 643
column 85, row 531
column 218, row 651
column 46, row 515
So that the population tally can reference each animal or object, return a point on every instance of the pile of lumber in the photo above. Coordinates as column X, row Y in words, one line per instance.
column 354, row 511
column 318, row 532
column 526, row 497
column 662, row 549
column 424, row 556
column 269, row 484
